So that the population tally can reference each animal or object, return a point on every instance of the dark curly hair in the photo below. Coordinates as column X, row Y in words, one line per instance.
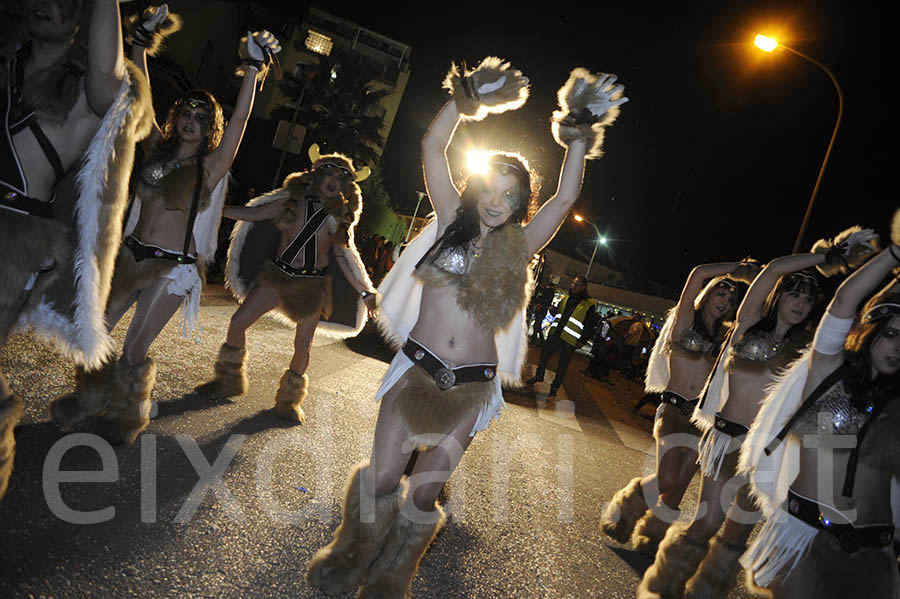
column 466, row 225
column 169, row 143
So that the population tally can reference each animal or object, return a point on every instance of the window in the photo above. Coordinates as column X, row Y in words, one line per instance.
column 318, row 43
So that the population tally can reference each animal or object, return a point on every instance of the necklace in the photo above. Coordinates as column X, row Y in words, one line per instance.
column 476, row 250
column 178, row 162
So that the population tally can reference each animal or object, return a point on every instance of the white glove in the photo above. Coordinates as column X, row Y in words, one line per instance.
column 259, row 45
column 604, row 91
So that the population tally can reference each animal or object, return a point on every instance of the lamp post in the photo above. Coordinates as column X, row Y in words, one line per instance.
column 768, row 45
column 601, row 240
column 413, row 219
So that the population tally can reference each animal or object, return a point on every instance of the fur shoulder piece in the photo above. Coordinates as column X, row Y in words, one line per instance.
column 51, row 92
column 494, row 289
column 345, row 207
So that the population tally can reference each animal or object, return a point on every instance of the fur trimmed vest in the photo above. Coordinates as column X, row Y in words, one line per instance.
column 494, row 288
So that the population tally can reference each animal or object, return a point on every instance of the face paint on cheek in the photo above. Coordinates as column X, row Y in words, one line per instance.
column 512, row 199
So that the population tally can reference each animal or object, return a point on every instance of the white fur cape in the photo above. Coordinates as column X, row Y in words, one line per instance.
column 240, row 286
column 401, row 300
column 79, row 329
column 657, row 377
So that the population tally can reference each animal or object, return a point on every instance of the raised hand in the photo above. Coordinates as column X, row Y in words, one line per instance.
column 587, row 104
column 257, row 50
column 491, row 88
column 847, row 251
column 154, row 25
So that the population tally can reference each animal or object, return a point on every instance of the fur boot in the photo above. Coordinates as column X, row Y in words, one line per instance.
column 623, row 511
column 340, row 566
column 89, row 398
column 717, row 573
column 676, row 561
column 231, row 373
column 648, row 532
column 10, row 412
column 392, row 573
column 128, row 410
column 290, row 395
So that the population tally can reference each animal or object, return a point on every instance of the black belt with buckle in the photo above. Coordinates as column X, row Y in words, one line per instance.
column 445, row 377
column 685, row 405
column 290, row 271
column 142, row 251
column 19, row 203
column 850, row 537
column 732, row 429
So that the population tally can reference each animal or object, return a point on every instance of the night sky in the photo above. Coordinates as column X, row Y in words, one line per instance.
column 716, row 153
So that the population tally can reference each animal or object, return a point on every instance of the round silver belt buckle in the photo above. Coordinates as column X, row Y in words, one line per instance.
column 444, row 378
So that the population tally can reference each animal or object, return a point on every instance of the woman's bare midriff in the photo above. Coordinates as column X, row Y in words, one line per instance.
column 746, row 391
column 161, row 227
column 870, row 503
column 688, row 373
column 450, row 332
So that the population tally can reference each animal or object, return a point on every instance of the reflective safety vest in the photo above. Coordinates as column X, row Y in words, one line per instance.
column 574, row 327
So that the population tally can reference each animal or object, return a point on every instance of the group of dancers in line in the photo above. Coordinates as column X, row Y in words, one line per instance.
column 791, row 424
column 745, row 401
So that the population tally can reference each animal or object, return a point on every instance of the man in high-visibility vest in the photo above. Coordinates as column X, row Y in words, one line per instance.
column 573, row 325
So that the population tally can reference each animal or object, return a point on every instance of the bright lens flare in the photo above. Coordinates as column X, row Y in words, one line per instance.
column 478, row 161
column 764, row 43
column 602, row 240
column 579, row 218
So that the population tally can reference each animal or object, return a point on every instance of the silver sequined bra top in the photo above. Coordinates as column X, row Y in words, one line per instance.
column 757, row 347
column 452, row 260
column 845, row 419
column 692, row 342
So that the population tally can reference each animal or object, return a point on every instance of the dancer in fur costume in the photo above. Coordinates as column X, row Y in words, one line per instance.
column 769, row 332
column 66, row 104
column 823, row 451
column 170, row 235
column 681, row 360
column 284, row 258
column 455, row 303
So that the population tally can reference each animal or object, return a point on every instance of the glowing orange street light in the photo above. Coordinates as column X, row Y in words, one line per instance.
column 601, row 240
column 768, row 44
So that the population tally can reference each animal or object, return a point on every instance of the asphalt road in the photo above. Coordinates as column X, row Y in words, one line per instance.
column 223, row 499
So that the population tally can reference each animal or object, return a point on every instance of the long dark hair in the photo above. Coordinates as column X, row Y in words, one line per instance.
column 466, row 225
column 867, row 330
column 803, row 282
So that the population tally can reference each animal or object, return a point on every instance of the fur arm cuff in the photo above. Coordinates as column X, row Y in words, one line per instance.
column 587, row 104
column 847, row 251
column 136, row 33
column 491, row 88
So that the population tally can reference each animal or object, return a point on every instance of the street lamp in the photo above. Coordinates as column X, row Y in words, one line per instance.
column 601, row 240
column 768, row 44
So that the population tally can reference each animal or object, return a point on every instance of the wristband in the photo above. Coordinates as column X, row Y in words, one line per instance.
column 141, row 36
column 366, row 293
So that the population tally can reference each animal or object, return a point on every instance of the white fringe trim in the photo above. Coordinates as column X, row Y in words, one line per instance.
column 713, row 448
column 782, row 542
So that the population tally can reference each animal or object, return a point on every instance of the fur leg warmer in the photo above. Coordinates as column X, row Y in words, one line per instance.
column 128, row 410
column 648, row 532
column 340, row 566
column 392, row 573
column 292, row 390
column 676, row 561
column 10, row 412
column 231, row 373
column 623, row 511
column 717, row 573
column 89, row 398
